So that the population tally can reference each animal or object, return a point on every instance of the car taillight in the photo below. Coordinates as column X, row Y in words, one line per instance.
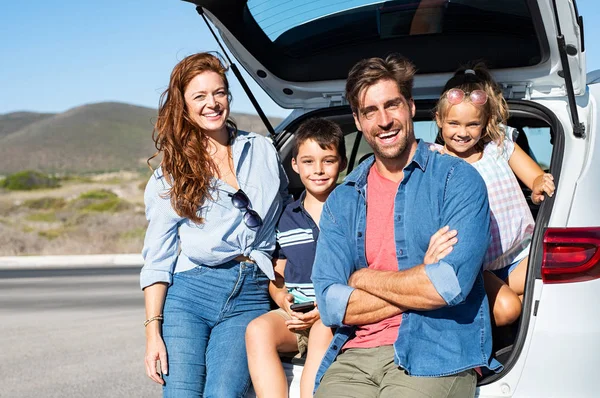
column 571, row 255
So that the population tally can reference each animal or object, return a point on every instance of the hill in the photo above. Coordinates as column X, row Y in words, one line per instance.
column 11, row 122
column 91, row 138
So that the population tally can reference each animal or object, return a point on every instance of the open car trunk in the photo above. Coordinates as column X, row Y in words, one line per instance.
column 300, row 52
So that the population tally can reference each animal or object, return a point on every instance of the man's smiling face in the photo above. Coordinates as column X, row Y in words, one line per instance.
column 385, row 117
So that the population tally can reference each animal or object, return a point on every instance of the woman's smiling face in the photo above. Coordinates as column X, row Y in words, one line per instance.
column 207, row 102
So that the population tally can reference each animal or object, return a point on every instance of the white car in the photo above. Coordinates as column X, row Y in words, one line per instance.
column 300, row 53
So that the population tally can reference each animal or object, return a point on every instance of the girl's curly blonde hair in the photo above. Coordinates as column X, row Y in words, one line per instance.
column 495, row 110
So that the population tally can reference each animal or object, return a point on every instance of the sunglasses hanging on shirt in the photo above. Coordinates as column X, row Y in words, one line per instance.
column 241, row 201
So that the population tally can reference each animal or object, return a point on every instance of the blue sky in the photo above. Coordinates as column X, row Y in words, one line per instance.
column 58, row 57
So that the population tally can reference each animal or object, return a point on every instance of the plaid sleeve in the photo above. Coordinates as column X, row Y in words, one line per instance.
column 510, row 135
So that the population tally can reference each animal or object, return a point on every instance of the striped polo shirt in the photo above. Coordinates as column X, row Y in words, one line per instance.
column 297, row 235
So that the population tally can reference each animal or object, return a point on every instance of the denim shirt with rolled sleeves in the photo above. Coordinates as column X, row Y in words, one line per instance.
column 436, row 190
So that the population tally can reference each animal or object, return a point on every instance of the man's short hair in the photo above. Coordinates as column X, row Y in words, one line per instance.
column 324, row 132
column 368, row 72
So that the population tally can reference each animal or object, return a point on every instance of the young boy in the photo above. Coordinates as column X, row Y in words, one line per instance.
column 318, row 157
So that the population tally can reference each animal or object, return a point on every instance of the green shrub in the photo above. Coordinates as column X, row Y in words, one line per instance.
column 99, row 194
column 45, row 203
column 51, row 233
column 101, row 200
column 76, row 178
column 28, row 180
column 111, row 205
column 42, row 217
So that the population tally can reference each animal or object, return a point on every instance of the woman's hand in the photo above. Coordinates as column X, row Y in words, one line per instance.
column 543, row 183
column 156, row 351
column 440, row 245
column 301, row 321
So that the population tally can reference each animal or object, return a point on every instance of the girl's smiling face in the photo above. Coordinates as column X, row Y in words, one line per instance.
column 462, row 128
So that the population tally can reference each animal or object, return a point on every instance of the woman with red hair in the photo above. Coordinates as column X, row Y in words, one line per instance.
column 212, row 208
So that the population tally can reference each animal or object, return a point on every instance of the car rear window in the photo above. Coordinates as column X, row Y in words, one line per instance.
column 309, row 27
column 320, row 40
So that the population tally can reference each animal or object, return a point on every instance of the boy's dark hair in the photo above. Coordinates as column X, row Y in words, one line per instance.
column 324, row 132
column 368, row 72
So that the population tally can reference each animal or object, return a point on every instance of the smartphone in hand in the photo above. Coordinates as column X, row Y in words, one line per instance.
column 303, row 307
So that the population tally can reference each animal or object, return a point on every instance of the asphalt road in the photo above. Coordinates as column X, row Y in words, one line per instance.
column 72, row 333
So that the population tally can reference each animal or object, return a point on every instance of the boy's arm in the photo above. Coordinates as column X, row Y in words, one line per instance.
column 277, row 289
column 448, row 281
column 532, row 175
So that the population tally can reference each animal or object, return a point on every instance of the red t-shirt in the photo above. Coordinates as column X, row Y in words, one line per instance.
column 380, row 248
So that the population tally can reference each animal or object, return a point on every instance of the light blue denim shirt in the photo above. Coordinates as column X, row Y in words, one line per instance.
column 175, row 244
column 436, row 190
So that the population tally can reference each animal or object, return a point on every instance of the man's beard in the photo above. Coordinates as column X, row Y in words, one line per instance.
column 405, row 138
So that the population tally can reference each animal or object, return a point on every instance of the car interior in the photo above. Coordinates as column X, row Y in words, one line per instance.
column 535, row 137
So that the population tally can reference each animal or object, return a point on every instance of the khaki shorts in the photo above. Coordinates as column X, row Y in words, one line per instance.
column 301, row 335
column 371, row 372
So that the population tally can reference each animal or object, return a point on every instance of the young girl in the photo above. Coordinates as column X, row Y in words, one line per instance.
column 212, row 208
column 471, row 115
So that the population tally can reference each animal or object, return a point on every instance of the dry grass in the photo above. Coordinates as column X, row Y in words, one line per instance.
column 97, row 215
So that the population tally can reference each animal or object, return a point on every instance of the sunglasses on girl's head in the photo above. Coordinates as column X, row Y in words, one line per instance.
column 455, row 96
column 241, row 201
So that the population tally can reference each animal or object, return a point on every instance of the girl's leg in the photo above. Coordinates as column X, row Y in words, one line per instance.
column 504, row 303
column 318, row 343
column 516, row 278
column 266, row 336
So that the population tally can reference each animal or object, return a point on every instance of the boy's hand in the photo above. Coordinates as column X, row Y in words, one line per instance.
column 440, row 245
column 301, row 321
column 543, row 183
column 287, row 301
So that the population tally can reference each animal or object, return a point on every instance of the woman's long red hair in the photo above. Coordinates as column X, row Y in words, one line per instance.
column 186, row 164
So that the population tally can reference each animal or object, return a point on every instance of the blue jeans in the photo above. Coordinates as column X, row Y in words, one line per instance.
column 206, row 313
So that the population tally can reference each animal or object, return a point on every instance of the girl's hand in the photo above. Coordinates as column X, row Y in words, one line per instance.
column 301, row 321
column 542, row 184
column 156, row 350
column 440, row 245
column 437, row 148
